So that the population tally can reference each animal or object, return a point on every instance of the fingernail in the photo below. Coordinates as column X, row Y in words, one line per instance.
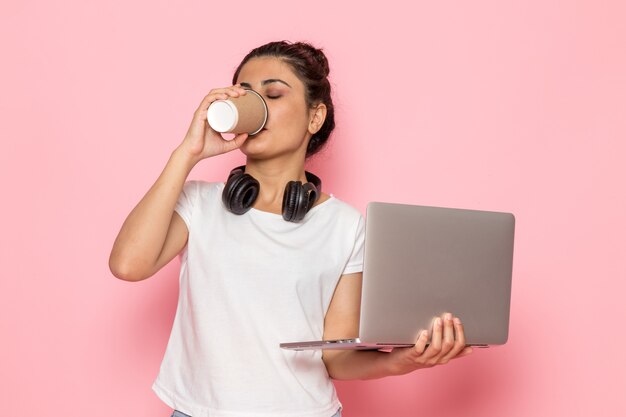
column 448, row 316
column 457, row 320
column 439, row 322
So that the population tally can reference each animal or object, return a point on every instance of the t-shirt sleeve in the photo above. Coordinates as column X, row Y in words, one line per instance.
column 355, row 262
column 186, row 200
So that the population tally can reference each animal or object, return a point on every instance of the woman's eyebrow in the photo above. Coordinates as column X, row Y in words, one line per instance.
column 264, row 82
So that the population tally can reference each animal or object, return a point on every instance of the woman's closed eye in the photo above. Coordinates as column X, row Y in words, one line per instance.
column 272, row 97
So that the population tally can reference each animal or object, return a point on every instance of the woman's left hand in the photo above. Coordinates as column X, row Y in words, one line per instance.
column 447, row 342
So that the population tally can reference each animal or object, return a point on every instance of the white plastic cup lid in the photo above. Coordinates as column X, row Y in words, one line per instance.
column 222, row 115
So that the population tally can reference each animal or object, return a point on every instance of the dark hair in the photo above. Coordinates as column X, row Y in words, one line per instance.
column 311, row 67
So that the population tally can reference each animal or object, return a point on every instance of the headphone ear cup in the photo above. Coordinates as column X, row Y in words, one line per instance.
column 310, row 195
column 303, row 202
column 316, row 182
column 240, row 191
column 291, row 197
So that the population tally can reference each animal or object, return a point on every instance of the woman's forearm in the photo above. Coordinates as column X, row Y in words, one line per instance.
column 446, row 344
column 359, row 364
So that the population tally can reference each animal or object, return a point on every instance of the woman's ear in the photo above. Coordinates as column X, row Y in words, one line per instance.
column 318, row 115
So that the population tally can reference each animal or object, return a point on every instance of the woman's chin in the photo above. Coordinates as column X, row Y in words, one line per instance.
column 253, row 145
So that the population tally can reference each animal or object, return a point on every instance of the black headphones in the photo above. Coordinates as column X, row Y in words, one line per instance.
column 241, row 190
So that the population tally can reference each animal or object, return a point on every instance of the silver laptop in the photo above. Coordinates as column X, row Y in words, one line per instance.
column 422, row 261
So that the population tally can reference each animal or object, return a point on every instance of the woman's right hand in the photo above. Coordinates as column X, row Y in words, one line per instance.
column 447, row 342
column 201, row 141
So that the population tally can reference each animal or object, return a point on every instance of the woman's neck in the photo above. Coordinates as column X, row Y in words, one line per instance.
column 273, row 175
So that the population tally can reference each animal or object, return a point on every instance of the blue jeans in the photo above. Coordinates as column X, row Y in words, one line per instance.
column 177, row 413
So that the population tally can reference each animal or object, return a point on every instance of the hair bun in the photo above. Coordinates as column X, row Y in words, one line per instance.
column 318, row 56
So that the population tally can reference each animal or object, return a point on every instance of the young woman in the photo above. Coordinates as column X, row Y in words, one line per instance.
column 256, row 271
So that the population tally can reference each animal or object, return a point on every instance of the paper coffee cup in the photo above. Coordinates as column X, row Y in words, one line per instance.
column 243, row 114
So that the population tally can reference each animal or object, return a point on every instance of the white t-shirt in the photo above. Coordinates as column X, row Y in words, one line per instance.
column 247, row 283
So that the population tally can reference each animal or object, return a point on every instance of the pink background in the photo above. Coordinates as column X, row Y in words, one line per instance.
column 505, row 106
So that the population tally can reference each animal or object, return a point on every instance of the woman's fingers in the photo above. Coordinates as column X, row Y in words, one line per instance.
column 443, row 340
column 459, row 343
column 447, row 342
column 459, row 331
column 420, row 343
column 220, row 94
column 430, row 354
column 236, row 142
column 448, row 335
column 466, row 351
column 208, row 99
